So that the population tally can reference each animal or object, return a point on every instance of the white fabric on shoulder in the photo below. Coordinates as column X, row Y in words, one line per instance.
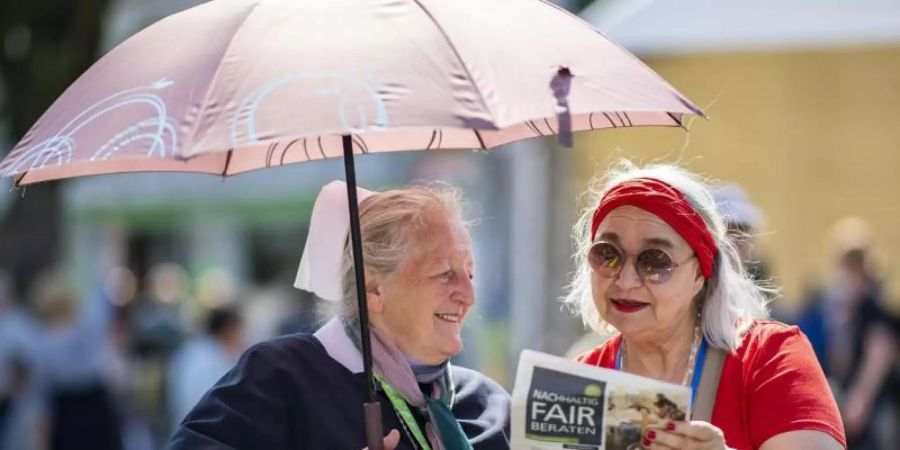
column 339, row 346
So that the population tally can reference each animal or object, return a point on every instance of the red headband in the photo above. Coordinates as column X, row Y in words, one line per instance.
column 663, row 200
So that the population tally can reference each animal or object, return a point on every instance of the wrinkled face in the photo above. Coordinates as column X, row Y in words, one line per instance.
column 421, row 306
column 638, row 309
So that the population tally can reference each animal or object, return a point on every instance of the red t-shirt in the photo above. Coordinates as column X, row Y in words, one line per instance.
column 771, row 385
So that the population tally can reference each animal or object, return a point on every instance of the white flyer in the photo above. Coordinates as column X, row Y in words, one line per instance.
column 558, row 403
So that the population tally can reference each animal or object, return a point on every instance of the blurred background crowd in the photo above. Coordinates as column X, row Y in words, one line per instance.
column 124, row 297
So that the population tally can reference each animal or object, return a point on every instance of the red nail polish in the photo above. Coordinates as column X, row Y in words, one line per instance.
column 670, row 426
column 651, row 434
column 646, row 442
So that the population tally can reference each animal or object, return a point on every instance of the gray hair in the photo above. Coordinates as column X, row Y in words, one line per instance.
column 389, row 221
column 730, row 299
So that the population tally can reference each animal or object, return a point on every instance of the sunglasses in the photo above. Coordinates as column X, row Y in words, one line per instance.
column 652, row 265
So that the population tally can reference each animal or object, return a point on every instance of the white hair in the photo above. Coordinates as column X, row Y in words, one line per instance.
column 389, row 221
column 730, row 300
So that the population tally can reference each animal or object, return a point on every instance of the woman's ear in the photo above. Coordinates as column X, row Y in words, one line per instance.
column 699, row 282
column 374, row 290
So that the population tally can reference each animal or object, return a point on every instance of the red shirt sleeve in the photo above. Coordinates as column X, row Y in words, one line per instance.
column 787, row 390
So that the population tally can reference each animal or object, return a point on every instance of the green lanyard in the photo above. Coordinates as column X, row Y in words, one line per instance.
column 402, row 409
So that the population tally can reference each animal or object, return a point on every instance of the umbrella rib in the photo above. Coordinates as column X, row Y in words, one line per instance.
column 306, row 150
column 321, row 150
column 358, row 140
column 677, row 121
column 284, row 152
column 549, row 127
column 440, row 137
column 591, row 121
column 610, row 120
column 212, row 80
column 456, row 53
column 227, row 162
column 20, row 178
column 433, row 136
column 530, row 124
column 480, row 140
column 270, row 152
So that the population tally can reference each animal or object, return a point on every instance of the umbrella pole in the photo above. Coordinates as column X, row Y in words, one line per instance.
column 374, row 432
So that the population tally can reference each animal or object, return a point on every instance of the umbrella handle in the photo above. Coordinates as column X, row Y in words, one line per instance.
column 374, row 432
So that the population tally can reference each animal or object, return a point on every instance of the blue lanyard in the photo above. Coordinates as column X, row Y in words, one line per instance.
column 698, row 367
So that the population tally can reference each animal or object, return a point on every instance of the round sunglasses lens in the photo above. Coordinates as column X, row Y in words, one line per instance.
column 654, row 265
column 605, row 259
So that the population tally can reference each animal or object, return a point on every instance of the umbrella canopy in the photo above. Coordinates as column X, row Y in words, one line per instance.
column 237, row 85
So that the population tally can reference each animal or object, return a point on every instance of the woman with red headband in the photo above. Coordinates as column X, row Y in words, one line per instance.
column 655, row 267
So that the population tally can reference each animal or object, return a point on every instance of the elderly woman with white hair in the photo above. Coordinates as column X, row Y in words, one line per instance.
column 306, row 391
column 656, row 270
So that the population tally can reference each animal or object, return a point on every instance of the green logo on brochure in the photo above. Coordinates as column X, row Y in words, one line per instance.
column 593, row 390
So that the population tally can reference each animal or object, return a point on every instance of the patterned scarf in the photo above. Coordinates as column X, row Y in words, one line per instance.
column 442, row 429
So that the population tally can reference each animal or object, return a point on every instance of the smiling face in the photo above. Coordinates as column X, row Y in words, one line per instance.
column 421, row 306
column 644, row 310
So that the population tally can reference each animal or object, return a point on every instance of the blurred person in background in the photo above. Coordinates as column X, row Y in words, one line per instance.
column 21, row 407
column 74, row 353
column 202, row 360
column 158, row 325
column 157, row 328
column 214, row 288
column 274, row 308
column 306, row 391
column 654, row 262
column 853, row 335
column 120, row 289
column 743, row 221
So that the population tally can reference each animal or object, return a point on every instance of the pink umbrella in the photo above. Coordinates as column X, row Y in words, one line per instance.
column 237, row 85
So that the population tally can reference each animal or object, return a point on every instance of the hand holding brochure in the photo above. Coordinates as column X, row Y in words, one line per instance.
column 563, row 404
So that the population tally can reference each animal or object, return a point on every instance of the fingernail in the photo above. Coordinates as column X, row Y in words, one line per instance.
column 670, row 426
column 646, row 442
column 651, row 434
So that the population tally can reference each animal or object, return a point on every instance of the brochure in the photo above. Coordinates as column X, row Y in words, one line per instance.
column 563, row 404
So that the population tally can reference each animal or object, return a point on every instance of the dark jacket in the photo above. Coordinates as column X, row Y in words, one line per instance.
column 289, row 393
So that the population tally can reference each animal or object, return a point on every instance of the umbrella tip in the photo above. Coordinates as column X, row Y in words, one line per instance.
column 694, row 109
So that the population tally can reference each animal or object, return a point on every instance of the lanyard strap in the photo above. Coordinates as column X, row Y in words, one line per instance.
column 698, row 367
column 698, row 371
column 404, row 413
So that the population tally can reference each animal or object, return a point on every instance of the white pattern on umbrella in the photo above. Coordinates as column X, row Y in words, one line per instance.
column 61, row 146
